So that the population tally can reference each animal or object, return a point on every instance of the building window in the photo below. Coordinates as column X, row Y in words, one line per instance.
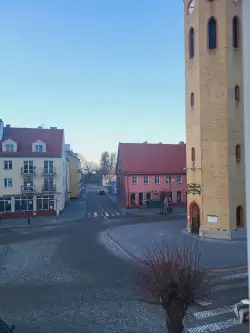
column 192, row 154
column 5, row 204
column 192, row 99
column 48, row 184
column 168, row 179
column 7, row 182
column 24, row 203
column 46, row 202
column 134, row 180
column 157, row 180
column 191, row 43
column 239, row 217
column 238, row 153
column 237, row 93
column 179, row 179
column 212, row 34
column 145, row 180
column 39, row 148
column 7, row 165
column 9, row 148
column 236, row 32
column 48, row 167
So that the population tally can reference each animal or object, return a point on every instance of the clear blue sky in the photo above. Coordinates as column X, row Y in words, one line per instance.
column 104, row 70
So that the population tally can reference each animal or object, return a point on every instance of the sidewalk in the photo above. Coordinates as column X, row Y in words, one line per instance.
column 216, row 254
column 75, row 210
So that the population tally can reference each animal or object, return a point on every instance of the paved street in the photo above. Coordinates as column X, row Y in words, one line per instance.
column 65, row 278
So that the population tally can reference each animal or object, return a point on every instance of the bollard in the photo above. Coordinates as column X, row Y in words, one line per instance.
column 29, row 220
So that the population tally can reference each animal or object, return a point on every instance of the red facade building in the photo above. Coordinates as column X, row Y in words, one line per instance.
column 144, row 170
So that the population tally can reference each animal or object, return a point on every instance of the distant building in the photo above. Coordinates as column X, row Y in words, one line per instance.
column 74, row 174
column 33, row 176
column 144, row 170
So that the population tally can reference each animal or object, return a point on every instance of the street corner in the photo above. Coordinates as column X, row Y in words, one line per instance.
column 105, row 239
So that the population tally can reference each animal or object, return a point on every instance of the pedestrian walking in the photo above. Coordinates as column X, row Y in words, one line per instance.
column 166, row 204
column 29, row 220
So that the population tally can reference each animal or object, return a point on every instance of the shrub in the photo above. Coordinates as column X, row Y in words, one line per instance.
column 175, row 277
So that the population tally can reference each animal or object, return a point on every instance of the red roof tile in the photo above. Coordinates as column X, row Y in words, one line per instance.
column 24, row 137
column 152, row 159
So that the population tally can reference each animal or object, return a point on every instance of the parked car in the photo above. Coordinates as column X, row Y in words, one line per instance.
column 4, row 328
column 101, row 192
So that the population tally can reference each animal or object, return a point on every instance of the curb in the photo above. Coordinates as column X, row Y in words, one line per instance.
column 140, row 262
column 121, row 249
column 3, row 254
column 41, row 225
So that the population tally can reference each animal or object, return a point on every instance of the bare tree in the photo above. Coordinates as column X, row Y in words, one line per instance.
column 112, row 162
column 87, row 165
column 176, row 277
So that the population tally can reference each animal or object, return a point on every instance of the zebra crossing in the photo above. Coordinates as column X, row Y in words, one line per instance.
column 106, row 215
column 217, row 313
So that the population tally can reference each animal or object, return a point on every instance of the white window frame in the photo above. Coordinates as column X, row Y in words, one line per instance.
column 158, row 178
column 7, row 163
column 179, row 179
column 134, row 180
column 8, row 183
column 9, row 147
column 147, row 178
column 39, row 148
column 168, row 179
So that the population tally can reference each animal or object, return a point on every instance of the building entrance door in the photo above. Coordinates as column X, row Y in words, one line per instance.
column 179, row 197
column 195, row 218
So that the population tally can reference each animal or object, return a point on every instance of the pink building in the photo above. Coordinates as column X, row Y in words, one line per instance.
column 144, row 170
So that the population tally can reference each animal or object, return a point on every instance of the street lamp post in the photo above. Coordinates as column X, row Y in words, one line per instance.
column 246, row 71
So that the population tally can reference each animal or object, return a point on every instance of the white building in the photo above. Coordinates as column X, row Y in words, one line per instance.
column 33, row 168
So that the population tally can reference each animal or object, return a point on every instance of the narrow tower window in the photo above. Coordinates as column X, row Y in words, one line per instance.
column 239, row 217
column 237, row 93
column 193, row 158
column 212, row 33
column 191, row 43
column 238, row 153
column 236, row 32
column 192, row 99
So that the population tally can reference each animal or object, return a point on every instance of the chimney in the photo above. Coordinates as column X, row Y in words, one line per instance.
column 7, row 125
column 145, row 142
column 1, row 129
column 40, row 127
column 160, row 143
column 181, row 143
column 53, row 128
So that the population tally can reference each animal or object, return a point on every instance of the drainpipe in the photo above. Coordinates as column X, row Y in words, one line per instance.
column 246, row 71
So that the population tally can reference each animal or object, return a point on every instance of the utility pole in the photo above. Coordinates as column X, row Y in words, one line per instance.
column 246, row 72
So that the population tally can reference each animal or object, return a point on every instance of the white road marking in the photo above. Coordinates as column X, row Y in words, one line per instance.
column 106, row 214
column 203, row 302
column 230, row 286
column 95, row 214
column 214, row 327
column 117, row 213
column 234, row 277
column 212, row 313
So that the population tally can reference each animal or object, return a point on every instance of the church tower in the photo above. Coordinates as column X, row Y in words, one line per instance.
column 214, row 118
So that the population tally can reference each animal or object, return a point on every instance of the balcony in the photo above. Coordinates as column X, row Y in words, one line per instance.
column 49, row 188
column 28, row 188
column 28, row 171
column 49, row 171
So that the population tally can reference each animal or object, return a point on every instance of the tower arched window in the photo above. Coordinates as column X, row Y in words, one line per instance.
column 193, row 154
column 191, row 42
column 239, row 217
column 212, row 33
column 236, row 32
column 238, row 153
column 192, row 99
column 237, row 93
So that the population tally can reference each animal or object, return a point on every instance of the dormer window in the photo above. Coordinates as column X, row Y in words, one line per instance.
column 39, row 148
column 9, row 148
